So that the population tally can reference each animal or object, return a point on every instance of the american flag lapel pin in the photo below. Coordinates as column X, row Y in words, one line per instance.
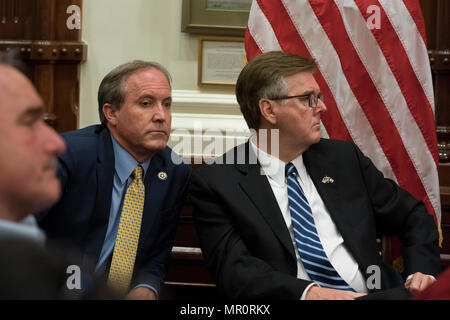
column 327, row 180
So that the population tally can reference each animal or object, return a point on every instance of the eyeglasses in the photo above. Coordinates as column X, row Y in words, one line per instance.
column 312, row 98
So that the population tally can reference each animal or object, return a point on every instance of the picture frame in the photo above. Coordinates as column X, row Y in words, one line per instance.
column 220, row 60
column 227, row 19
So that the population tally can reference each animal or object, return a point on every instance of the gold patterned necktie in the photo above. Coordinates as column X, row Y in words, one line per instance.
column 125, row 248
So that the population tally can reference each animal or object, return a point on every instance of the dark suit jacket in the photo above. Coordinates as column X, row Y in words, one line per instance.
column 246, row 243
column 80, row 218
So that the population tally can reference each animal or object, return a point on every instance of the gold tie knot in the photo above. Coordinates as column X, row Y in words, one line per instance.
column 137, row 173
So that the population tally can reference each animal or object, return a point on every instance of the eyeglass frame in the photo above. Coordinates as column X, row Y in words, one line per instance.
column 307, row 95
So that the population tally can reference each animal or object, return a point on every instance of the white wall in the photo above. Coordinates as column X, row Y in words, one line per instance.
column 123, row 30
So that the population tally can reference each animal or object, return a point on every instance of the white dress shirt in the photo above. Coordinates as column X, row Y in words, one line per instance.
column 332, row 241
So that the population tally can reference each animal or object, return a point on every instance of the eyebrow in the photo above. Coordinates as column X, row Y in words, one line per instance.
column 149, row 96
column 307, row 93
column 31, row 112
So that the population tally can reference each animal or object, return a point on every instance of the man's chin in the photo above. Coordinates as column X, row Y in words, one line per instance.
column 156, row 146
column 44, row 200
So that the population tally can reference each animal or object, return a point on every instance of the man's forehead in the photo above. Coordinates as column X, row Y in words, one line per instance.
column 16, row 92
column 148, row 78
column 303, row 80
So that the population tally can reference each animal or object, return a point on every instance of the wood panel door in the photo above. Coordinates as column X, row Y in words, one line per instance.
column 47, row 35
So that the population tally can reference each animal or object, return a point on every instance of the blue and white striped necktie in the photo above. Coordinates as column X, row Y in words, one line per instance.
column 310, row 248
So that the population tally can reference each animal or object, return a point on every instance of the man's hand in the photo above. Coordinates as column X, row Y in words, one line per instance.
column 318, row 293
column 418, row 282
column 141, row 293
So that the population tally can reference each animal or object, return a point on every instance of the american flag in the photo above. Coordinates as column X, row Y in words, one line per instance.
column 374, row 73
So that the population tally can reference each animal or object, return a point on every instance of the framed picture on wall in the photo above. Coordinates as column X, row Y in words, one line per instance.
column 215, row 17
column 220, row 61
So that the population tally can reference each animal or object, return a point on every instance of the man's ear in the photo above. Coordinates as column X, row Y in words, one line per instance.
column 110, row 113
column 266, row 107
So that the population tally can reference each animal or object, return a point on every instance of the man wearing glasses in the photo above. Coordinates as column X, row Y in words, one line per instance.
column 289, row 215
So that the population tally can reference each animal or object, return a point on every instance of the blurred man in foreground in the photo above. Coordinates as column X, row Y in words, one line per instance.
column 28, row 183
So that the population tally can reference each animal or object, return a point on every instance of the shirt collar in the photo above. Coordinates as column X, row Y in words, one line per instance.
column 24, row 229
column 273, row 167
column 125, row 163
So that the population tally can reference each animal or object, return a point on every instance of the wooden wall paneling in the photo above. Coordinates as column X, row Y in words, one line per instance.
column 67, row 96
column 429, row 9
column 17, row 19
column 443, row 25
column 44, row 80
column 53, row 53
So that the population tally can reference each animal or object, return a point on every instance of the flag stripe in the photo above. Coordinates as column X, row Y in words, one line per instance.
column 368, row 97
column 261, row 30
column 415, row 11
column 365, row 92
column 251, row 47
column 329, row 63
column 390, row 92
column 414, row 45
column 398, row 44
column 392, row 41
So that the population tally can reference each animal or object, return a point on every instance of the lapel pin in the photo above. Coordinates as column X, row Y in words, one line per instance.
column 327, row 180
column 162, row 176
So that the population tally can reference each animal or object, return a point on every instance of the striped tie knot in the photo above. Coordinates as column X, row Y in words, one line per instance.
column 290, row 169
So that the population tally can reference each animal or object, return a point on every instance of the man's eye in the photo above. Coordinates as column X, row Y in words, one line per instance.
column 145, row 103
column 30, row 121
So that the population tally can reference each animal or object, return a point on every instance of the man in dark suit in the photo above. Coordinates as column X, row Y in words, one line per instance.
column 289, row 215
column 123, row 188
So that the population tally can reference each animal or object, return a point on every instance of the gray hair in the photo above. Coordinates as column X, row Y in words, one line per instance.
column 112, row 89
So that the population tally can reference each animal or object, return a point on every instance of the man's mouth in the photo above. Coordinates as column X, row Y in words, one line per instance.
column 51, row 163
column 158, row 132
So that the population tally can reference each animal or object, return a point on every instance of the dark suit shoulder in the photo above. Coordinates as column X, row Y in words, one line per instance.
column 84, row 139
column 339, row 150
column 228, row 164
column 83, row 146
column 85, row 132
column 332, row 145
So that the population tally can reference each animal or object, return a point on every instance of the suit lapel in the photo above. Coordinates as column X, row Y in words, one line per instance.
column 155, row 189
column 321, row 166
column 257, row 188
column 105, row 175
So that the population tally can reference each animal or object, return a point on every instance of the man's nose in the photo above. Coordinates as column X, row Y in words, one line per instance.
column 52, row 140
column 321, row 106
column 161, row 113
